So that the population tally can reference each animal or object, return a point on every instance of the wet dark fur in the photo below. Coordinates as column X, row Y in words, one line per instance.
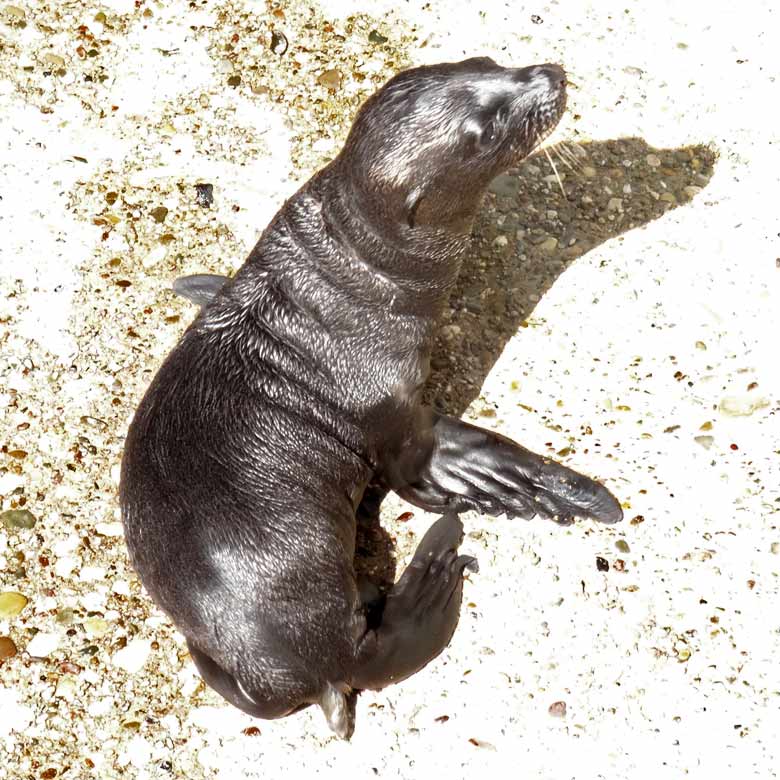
column 301, row 381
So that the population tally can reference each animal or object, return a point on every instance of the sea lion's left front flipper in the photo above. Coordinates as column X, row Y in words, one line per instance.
column 472, row 468
column 200, row 289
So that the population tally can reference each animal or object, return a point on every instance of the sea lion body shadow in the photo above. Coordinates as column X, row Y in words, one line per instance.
column 300, row 383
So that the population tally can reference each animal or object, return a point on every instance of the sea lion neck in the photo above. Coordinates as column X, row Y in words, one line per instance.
column 423, row 263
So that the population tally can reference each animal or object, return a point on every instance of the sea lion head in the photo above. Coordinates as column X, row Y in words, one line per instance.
column 423, row 149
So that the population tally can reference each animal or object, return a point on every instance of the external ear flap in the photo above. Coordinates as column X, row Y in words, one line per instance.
column 413, row 201
column 199, row 288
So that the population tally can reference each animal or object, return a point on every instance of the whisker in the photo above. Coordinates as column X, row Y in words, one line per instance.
column 557, row 149
column 555, row 170
column 565, row 150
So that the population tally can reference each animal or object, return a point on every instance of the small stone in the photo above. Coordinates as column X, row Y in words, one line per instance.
column 602, row 564
column 234, row 80
column 96, row 627
column 330, row 78
column 54, row 60
column 741, row 406
column 7, row 647
column 691, row 191
column 65, row 617
column 653, row 160
column 278, row 43
column 615, row 204
column 376, row 37
column 11, row 603
column 133, row 657
column 43, row 644
column 66, row 687
column 668, row 197
column 774, row 548
column 588, row 171
column 18, row 519
column 159, row 213
column 704, row 441
column 549, row 244
column 204, row 195
column 557, row 709
column 683, row 653
column 622, row 545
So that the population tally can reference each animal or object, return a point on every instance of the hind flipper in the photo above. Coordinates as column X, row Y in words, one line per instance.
column 421, row 611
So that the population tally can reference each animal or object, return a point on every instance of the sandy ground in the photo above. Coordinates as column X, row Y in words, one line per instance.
column 631, row 327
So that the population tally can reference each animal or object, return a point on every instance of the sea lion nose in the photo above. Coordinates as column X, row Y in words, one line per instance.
column 555, row 74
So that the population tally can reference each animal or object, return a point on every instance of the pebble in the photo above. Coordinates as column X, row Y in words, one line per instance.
column 774, row 548
column 741, row 405
column 11, row 604
column 18, row 519
column 133, row 657
column 615, row 204
column 558, row 709
column 204, row 194
column 66, row 687
column 653, row 160
column 159, row 214
column 96, row 627
column 549, row 244
column 7, row 647
column 43, row 644
column 704, row 441
column 330, row 78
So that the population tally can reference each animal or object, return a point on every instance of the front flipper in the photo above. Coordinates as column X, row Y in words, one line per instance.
column 472, row 468
column 420, row 612
column 198, row 288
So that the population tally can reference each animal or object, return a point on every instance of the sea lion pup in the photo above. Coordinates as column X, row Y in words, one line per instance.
column 300, row 382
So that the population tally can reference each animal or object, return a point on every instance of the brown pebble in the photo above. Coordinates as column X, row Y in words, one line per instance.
column 330, row 79
column 558, row 709
column 602, row 564
column 251, row 731
column 405, row 517
column 7, row 647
